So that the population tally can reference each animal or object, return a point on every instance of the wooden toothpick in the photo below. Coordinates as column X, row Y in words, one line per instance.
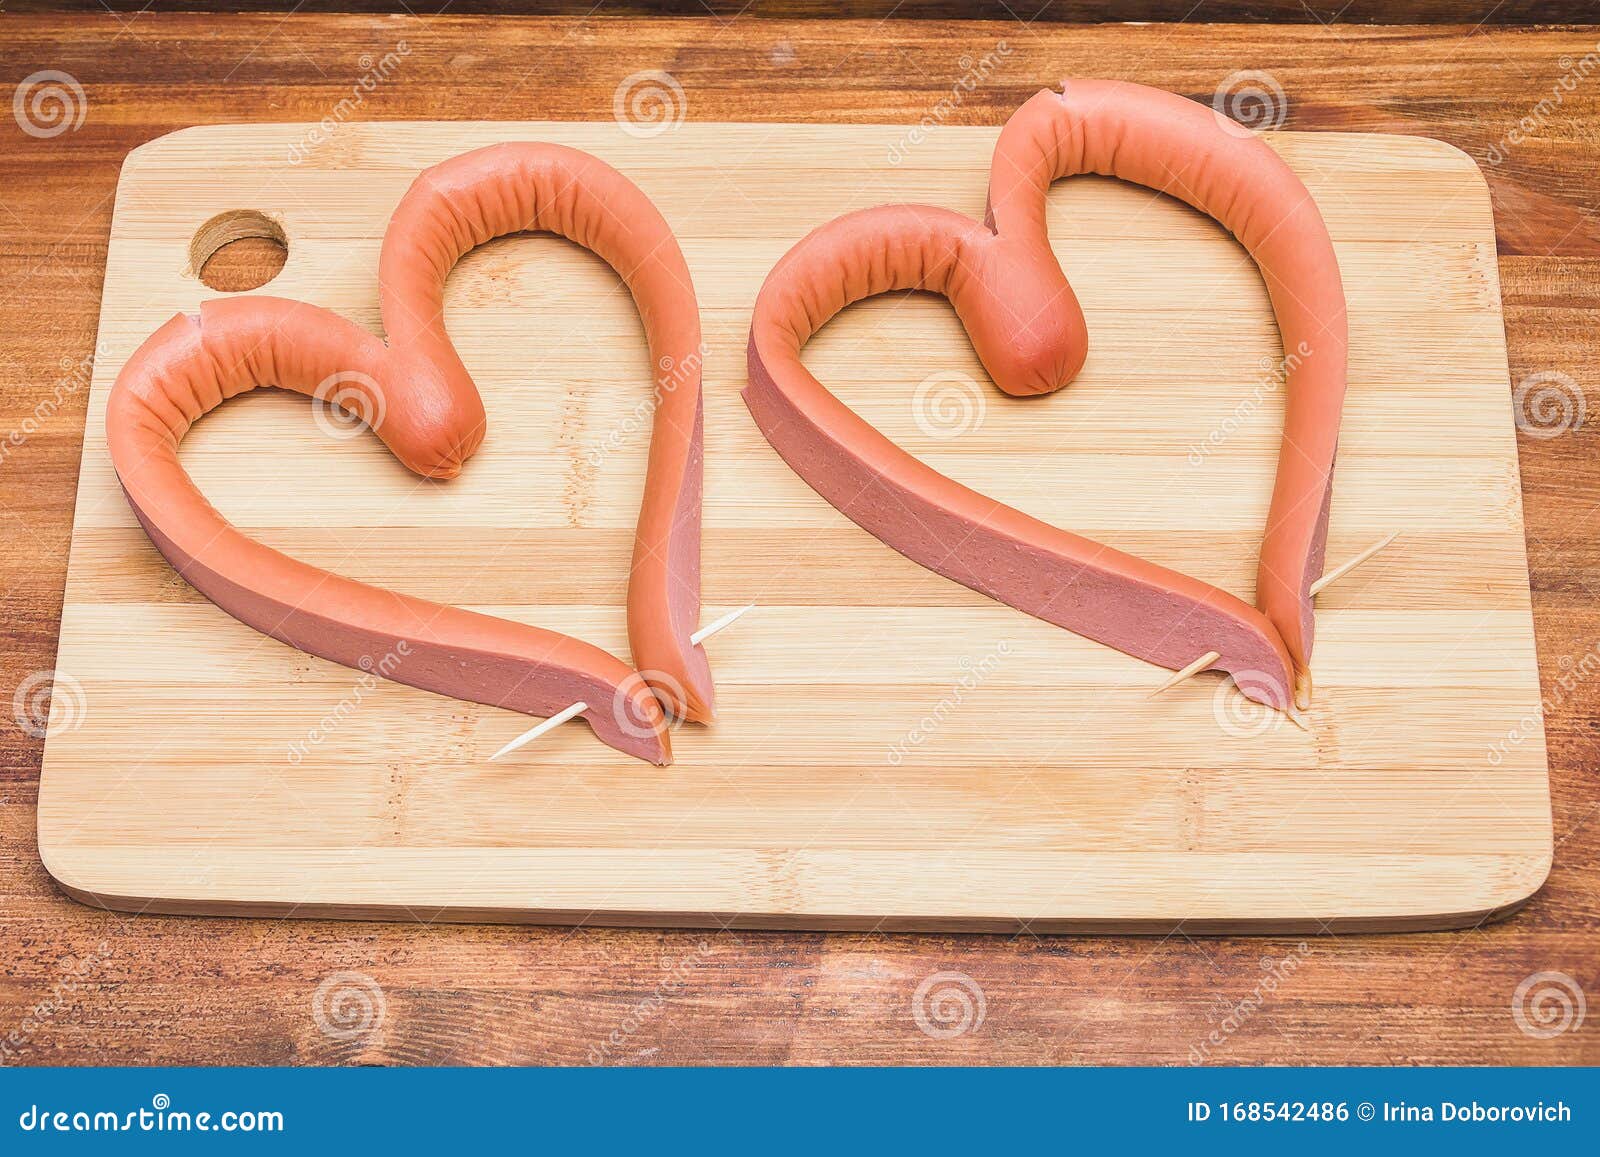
column 1188, row 672
column 1302, row 683
column 726, row 620
column 1345, row 568
column 531, row 734
column 577, row 709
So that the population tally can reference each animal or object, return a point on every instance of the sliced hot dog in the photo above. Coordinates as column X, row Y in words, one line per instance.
column 1025, row 323
column 421, row 401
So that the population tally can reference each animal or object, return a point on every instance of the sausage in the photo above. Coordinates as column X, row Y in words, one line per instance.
column 419, row 399
column 1025, row 323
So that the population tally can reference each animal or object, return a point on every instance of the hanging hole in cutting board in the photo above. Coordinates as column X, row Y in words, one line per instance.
column 239, row 250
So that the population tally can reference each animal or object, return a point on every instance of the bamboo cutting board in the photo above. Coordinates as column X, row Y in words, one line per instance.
column 893, row 750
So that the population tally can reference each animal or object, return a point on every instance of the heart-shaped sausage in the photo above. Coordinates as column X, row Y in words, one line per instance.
column 1026, row 325
column 417, row 396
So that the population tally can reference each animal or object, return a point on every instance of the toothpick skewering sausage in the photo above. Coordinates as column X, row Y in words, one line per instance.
column 1025, row 323
column 418, row 397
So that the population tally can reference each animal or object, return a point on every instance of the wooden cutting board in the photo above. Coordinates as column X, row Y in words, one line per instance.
column 893, row 750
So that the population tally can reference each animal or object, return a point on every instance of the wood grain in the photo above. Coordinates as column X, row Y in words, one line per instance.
column 874, row 764
column 172, row 989
column 1029, row 11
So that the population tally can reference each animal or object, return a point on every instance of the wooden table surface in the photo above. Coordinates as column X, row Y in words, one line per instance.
column 79, row 985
